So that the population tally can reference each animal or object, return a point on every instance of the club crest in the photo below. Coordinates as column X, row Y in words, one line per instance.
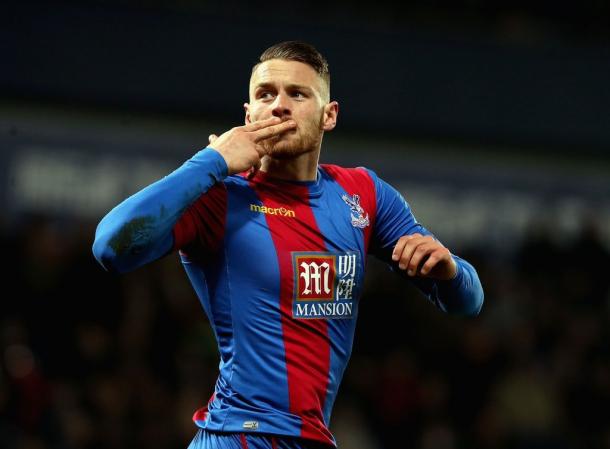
column 360, row 219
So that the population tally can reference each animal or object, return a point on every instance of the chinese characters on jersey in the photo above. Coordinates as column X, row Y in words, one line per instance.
column 325, row 284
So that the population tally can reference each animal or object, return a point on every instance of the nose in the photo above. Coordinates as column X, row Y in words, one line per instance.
column 281, row 106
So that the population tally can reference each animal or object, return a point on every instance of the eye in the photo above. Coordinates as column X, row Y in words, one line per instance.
column 265, row 95
column 298, row 95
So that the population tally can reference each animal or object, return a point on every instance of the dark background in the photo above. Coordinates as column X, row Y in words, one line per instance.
column 491, row 119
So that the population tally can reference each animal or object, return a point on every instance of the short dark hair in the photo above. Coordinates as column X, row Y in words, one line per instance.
column 301, row 52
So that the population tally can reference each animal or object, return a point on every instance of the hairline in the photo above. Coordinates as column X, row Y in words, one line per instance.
column 325, row 79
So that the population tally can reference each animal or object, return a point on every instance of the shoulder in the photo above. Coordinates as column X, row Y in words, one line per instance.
column 351, row 175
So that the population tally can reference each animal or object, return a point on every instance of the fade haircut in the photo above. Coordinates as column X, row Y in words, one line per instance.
column 301, row 52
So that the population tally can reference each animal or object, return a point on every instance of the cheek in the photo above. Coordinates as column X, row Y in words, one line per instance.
column 257, row 113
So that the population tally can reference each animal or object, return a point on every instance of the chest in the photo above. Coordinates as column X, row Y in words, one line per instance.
column 309, row 249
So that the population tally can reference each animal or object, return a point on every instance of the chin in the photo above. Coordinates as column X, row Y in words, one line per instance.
column 287, row 151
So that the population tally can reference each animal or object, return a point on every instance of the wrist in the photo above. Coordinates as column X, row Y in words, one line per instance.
column 214, row 160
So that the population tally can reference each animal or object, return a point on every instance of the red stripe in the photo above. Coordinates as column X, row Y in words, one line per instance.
column 273, row 443
column 244, row 443
column 202, row 413
column 357, row 181
column 306, row 342
column 204, row 220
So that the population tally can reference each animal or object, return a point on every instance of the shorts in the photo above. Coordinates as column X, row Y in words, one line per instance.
column 204, row 439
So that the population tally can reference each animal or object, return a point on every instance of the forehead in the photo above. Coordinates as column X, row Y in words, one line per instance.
column 280, row 71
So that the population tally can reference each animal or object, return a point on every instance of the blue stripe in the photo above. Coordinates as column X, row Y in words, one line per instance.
column 333, row 219
column 259, row 373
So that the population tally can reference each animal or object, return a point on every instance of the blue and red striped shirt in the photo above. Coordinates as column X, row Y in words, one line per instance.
column 278, row 267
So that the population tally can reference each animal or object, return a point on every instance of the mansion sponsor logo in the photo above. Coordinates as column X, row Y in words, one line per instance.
column 323, row 310
column 325, row 284
column 281, row 211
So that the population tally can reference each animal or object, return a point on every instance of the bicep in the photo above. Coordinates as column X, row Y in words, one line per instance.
column 394, row 219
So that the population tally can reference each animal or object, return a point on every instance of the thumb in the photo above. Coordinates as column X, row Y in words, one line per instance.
column 212, row 138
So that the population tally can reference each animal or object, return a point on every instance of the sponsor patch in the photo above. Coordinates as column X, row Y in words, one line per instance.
column 325, row 284
column 281, row 211
column 250, row 425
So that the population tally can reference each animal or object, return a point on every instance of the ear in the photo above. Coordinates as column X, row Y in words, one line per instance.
column 247, row 112
column 331, row 111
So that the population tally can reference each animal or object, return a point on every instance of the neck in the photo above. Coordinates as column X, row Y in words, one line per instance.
column 300, row 168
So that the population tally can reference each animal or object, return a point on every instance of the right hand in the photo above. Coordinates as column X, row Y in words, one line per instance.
column 241, row 146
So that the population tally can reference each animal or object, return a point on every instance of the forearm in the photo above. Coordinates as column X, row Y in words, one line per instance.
column 461, row 295
column 139, row 230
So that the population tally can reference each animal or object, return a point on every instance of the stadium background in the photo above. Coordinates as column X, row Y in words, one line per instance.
column 491, row 119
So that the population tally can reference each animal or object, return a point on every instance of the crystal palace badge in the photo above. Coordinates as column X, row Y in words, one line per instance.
column 360, row 219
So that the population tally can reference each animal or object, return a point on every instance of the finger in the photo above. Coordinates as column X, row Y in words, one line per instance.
column 432, row 261
column 270, row 131
column 420, row 255
column 212, row 138
column 259, row 124
column 410, row 245
column 407, row 254
column 400, row 246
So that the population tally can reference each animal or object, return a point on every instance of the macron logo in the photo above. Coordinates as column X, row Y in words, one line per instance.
column 281, row 211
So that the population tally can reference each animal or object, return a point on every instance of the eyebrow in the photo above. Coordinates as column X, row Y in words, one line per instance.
column 289, row 86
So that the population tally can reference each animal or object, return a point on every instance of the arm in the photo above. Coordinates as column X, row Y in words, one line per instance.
column 450, row 282
column 139, row 230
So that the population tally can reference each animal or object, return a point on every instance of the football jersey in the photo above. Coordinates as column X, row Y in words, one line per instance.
column 279, row 268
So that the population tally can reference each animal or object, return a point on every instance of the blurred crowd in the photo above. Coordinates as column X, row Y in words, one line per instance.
column 95, row 360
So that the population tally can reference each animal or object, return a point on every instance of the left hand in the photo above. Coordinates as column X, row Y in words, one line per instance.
column 422, row 256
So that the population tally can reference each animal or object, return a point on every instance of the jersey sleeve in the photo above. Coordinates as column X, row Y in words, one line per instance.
column 202, row 225
column 394, row 219
column 141, row 228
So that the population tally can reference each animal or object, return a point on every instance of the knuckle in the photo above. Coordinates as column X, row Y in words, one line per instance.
column 420, row 250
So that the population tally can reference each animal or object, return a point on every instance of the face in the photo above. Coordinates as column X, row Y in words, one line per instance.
column 291, row 90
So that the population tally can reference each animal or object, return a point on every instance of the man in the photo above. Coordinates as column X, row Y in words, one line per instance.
column 274, row 245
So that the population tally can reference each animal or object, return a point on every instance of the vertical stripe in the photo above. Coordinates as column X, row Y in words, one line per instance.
column 202, row 413
column 204, row 220
column 251, row 288
column 306, row 342
column 357, row 182
column 273, row 443
column 244, row 443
